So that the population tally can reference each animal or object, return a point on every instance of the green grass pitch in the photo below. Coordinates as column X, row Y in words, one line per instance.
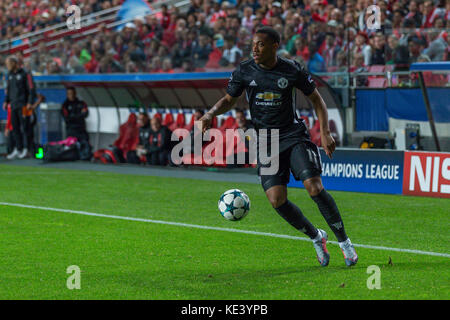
column 121, row 259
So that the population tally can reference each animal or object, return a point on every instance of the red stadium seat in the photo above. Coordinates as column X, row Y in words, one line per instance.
column 181, row 120
column 168, row 119
column 214, row 122
column 190, row 125
column 332, row 69
column 157, row 116
column 377, row 82
column 179, row 123
column 377, row 68
column 315, row 133
column 128, row 135
column 228, row 123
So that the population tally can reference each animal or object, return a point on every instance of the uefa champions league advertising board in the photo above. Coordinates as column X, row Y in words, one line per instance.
column 373, row 171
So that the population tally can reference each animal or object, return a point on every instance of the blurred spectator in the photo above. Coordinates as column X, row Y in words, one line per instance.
column 357, row 67
column 361, row 46
column 378, row 54
column 247, row 19
column 159, row 143
column 429, row 14
column 414, row 14
column 167, row 66
column 316, row 62
column 396, row 53
column 215, row 56
column 301, row 49
column 74, row 112
column 245, row 140
column 330, row 50
column 165, row 16
column 201, row 50
column 436, row 50
column 232, row 54
column 187, row 66
column 136, row 156
column 156, row 65
column 289, row 37
column 415, row 46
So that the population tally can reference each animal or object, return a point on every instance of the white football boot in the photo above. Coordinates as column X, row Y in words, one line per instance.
column 14, row 154
column 350, row 256
column 321, row 248
column 23, row 154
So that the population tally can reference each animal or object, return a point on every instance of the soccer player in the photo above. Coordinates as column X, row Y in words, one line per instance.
column 270, row 83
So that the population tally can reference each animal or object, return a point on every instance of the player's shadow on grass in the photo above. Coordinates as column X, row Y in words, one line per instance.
column 194, row 284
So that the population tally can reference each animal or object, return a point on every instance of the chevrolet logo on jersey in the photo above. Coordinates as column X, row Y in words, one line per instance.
column 268, row 96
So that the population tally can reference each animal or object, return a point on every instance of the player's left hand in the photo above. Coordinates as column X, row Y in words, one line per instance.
column 204, row 123
column 328, row 144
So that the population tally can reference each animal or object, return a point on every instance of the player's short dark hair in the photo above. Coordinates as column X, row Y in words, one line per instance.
column 71, row 88
column 271, row 33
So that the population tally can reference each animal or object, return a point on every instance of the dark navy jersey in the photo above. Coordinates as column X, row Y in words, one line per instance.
column 271, row 95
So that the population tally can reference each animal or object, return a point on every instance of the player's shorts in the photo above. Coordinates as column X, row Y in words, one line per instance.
column 302, row 159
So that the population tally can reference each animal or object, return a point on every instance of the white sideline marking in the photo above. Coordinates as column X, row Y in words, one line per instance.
column 180, row 224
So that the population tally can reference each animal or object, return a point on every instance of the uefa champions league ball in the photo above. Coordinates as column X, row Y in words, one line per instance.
column 234, row 204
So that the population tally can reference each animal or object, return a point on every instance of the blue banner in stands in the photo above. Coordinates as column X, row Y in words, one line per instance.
column 371, row 110
column 3, row 113
column 408, row 104
column 373, row 171
column 427, row 66
column 373, row 107
column 131, row 9
column 135, row 77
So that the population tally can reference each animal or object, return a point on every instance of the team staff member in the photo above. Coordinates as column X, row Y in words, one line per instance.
column 158, row 143
column 75, row 112
column 134, row 156
column 20, row 94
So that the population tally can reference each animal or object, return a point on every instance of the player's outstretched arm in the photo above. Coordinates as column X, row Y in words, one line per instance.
column 222, row 106
column 328, row 143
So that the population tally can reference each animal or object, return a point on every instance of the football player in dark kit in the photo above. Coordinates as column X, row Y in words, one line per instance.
column 270, row 83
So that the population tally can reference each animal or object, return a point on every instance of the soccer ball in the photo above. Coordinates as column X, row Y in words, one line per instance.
column 234, row 204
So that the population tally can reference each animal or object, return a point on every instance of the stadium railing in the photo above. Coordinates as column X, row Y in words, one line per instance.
column 90, row 24
column 27, row 41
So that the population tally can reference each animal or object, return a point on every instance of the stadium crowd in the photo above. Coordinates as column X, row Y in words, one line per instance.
column 20, row 17
column 324, row 35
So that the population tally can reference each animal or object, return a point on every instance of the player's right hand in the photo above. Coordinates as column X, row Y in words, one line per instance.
column 206, row 121
column 328, row 144
column 5, row 105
